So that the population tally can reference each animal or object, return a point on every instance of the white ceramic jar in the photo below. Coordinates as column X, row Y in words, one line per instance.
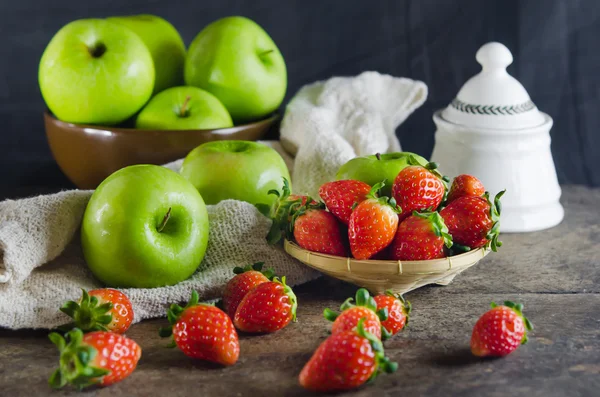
column 494, row 131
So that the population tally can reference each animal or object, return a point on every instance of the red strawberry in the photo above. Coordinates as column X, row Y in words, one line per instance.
column 373, row 224
column 340, row 197
column 267, row 308
column 474, row 221
column 103, row 309
column 465, row 185
column 97, row 358
column 500, row 331
column 244, row 281
column 418, row 188
column 421, row 236
column 345, row 361
column 203, row 332
column 318, row 230
column 365, row 309
column 398, row 311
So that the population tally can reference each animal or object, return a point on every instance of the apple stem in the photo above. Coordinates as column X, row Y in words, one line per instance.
column 183, row 110
column 164, row 221
column 378, row 155
column 262, row 54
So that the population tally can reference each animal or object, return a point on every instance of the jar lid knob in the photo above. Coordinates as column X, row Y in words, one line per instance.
column 494, row 57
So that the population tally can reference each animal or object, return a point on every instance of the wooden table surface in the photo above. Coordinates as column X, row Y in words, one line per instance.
column 554, row 273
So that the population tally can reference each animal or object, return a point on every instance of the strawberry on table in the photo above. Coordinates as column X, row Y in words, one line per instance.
column 418, row 188
column 269, row 307
column 365, row 309
column 244, row 281
column 474, row 221
column 104, row 309
column 345, row 361
column 398, row 311
column 319, row 231
column 97, row 358
column 373, row 224
column 500, row 331
column 202, row 331
column 421, row 236
column 465, row 185
column 340, row 197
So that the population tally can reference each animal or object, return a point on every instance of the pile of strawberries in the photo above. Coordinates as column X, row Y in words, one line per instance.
column 422, row 219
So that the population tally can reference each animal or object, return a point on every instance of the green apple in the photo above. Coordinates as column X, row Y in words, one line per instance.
column 165, row 45
column 240, row 170
column 96, row 72
column 377, row 168
column 183, row 108
column 236, row 60
column 145, row 226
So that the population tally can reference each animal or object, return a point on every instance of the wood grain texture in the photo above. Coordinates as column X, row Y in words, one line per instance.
column 553, row 43
column 554, row 273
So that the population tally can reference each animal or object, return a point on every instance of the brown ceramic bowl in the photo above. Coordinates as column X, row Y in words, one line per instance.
column 89, row 153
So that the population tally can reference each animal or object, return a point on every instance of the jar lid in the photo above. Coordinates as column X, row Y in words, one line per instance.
column 493, row 98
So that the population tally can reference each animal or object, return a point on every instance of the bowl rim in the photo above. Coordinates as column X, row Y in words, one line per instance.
column 48, row 116
column 373, row 267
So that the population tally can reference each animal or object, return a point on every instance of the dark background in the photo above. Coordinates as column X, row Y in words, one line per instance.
column 554, row 43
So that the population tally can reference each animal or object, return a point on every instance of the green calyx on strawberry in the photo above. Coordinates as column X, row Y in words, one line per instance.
column 268, row 273
column 363, row 299
column 291, row 295
column 175, row 312
column 406, row 305
column 437, row 223
column 88, row 314
column 284, row 208
column 383, row 363
column 495, row 211
column 518, row 309
column 431, row 167
column 75, row 358
column 384, row 200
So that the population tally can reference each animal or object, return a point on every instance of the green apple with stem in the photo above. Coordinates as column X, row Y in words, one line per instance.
column 95, row 71
column 240, row 170
column 237, row 61
column 145, row 226
column 378, row 168
column 183, row 108
column 165, row 46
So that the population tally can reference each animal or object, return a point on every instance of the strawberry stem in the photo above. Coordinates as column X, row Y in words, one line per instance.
column 87, row 315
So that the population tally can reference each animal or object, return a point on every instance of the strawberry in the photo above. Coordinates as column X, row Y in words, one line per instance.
column 474, row 222
column 203, row 332
column 244, row 281
column 365, row 309
column 97, row 358
column 281, row 212
column 421, row 236
column 104, row 309
column 318, row 230
column 373, row 224
column 345, row 361
column 340, row 197
column 465, row 185
column 418, row 188
column 398, row 311
column 500, row 331
column 267, row 308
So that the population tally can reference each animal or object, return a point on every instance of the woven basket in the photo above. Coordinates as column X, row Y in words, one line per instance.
column 380, row 275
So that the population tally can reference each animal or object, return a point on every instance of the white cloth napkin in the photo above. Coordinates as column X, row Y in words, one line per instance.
column 326, row 124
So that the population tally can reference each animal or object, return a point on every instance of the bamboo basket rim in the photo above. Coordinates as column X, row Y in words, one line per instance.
column 373, row 267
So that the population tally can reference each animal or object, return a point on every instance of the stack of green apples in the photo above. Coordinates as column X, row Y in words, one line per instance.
column 108, row 71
